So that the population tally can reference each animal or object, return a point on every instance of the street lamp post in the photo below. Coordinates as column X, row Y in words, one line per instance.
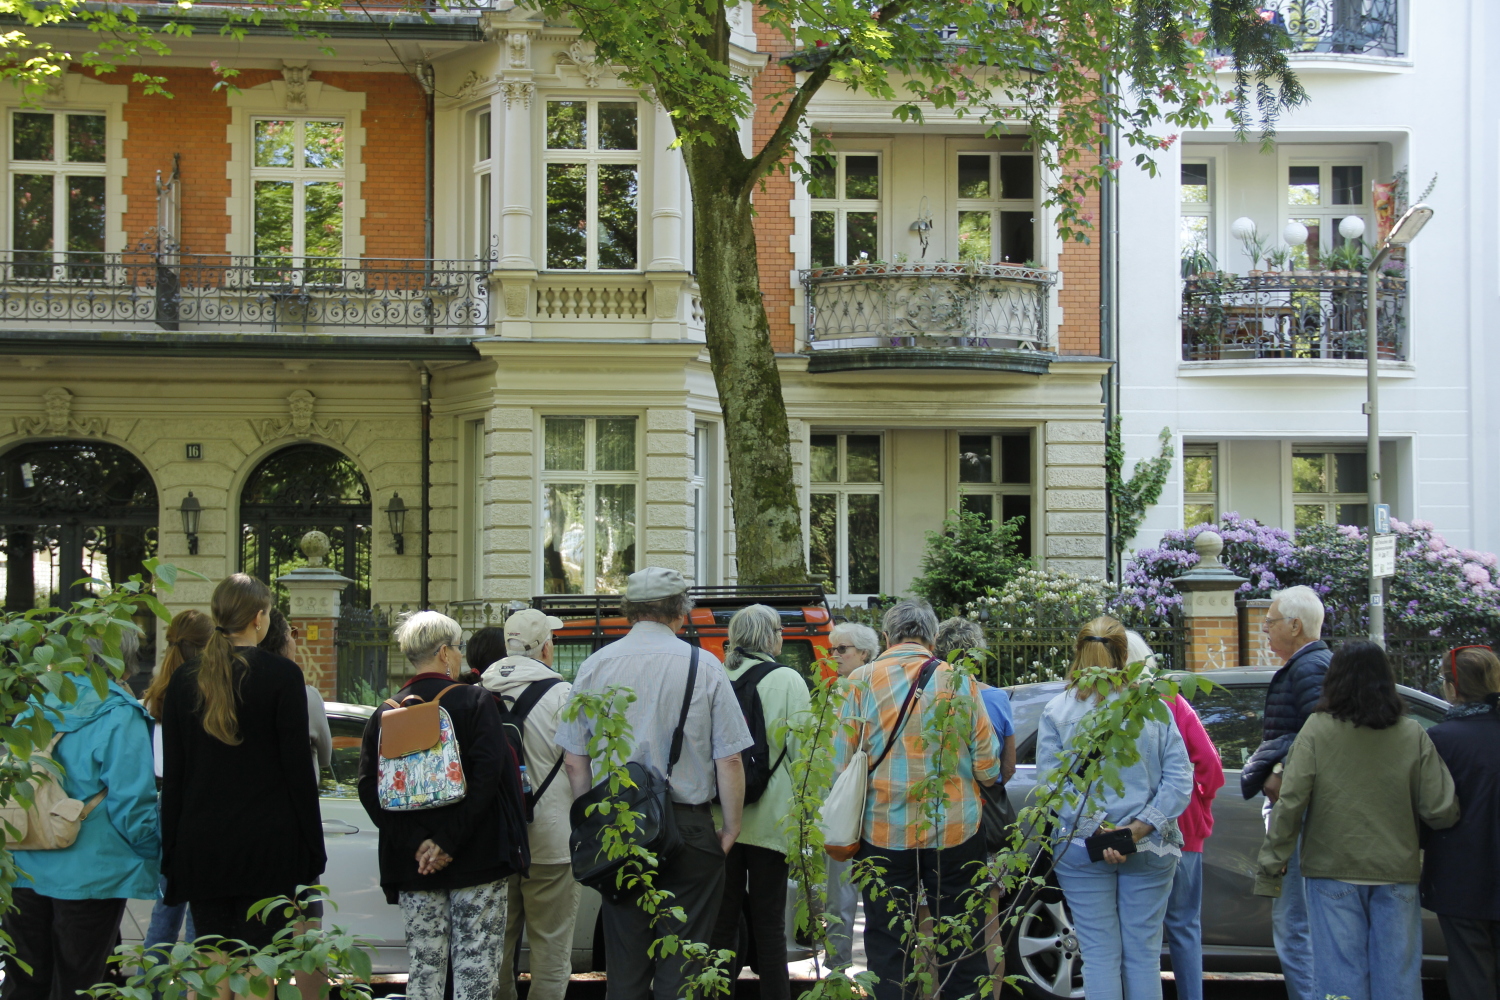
column 1402, row 233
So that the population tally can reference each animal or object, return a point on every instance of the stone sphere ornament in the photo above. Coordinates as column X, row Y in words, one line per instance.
column 315, row 546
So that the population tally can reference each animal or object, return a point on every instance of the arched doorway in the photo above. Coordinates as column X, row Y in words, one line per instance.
column 293, row 491
column 70, row 510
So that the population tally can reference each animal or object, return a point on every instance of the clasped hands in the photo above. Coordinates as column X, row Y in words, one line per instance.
column 431, row 858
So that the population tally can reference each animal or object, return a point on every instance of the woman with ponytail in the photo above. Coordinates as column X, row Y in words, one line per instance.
column 240, row 818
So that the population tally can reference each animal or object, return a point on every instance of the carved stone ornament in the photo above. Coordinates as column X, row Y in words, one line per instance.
column 300, row 421
column 472, row 82
column 515, row 301
column 315, row 546
column 296, row 76
column 57, row 405
column 581, row 54
column 518, row 45
column 518, row 92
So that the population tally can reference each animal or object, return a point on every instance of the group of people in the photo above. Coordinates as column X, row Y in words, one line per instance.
column 1354, row 791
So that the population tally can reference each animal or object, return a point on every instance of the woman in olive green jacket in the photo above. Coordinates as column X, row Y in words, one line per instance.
column 1359, row 782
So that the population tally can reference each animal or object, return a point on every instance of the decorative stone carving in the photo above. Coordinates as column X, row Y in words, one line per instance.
column 314, row 589
column 472, row 82
column 57, row 405
column 300, row 421
column 296, row 75
column 518, row 91
column 315, row 546
column 518, row 45
column 515, row 301
column 581, row 55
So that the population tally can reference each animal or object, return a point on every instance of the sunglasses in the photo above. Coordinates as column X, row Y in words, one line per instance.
column 840, row 650
column 1453, row 660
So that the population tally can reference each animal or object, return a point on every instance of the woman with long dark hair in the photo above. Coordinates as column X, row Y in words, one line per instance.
column 1461, row 865
column 239, row 800
column 1358, row 783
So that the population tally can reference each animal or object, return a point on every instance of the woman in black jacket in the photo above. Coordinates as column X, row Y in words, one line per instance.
column 1461, row 870
column 239, row 803
column 447, row 865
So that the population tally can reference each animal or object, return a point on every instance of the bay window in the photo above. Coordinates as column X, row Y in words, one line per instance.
column 589, row 489
column 593, row 185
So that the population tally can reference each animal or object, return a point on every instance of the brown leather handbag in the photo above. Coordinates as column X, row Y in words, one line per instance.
column 420, row 765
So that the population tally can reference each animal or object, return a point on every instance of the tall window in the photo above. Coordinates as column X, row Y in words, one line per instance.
column 1330, row 487
column 57, row 192
column 1200, row 484
column 1194, row 209
column 593, row 185
column 589, row 480
column 298, row 183
column 1320, row 195
column 844, row 512
column 484, row 195
column 994, row 476
column 996, row 213
column 704, row 522
column 845, row 188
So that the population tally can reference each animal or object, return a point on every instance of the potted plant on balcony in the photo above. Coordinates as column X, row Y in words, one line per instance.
column 1197, row 264
column 1393, row 273
column 1346, row 260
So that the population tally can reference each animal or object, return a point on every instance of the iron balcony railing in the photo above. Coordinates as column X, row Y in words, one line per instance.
column 1347, row 27
column 1308, row 315
column 193, row 291
column 976, row 306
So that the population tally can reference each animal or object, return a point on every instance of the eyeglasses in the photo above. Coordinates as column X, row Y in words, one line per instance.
column 460, row 645
column 840, row 650
column 1265, row 626
column 1453, row 660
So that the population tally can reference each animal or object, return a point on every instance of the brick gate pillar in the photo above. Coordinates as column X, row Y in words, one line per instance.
column 1208, row 609
column 314, row 592
column 1255, row 645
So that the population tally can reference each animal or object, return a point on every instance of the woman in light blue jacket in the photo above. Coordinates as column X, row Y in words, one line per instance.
column 69, row 902
column 1118, row 903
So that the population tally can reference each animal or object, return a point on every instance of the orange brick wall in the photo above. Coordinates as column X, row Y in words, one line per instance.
column 1213, row 643
column 1079, row 295
column 194, row 122
column 773, row 221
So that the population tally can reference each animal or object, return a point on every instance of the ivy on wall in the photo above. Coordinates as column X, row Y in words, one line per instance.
column 1134, row 497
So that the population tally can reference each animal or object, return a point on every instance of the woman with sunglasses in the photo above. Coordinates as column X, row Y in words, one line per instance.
column 850, row 645
column 1461, row 867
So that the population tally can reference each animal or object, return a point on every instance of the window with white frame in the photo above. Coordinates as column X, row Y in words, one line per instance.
column 297, row 180
column 994, row 478
column 1330, row 487
column 844, row 512
column 845, row 192
column 484, row 183
column 1194, row 209
column 996, row 203
column 1200, row 484
column 590, row 480
column 1322, row 193
column 705, row 523
column 593, row 185
column 56, row 166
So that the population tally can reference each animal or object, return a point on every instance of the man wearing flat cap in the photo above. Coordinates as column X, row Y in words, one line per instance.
column 653, row 662
column 545, row 901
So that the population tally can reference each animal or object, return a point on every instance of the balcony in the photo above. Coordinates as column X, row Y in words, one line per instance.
column 1299, row 315
column 1337, row 27
column 929, row 316
column 191, row 293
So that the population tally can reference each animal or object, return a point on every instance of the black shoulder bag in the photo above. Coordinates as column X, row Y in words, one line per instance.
column 649, row 797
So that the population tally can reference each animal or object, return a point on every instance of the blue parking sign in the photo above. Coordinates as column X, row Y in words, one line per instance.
column 1382, row 519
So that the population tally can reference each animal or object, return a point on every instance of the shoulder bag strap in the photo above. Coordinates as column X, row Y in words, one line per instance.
column 921, row 682
column 445, row 690
column 392, row 702
column 522, row 706
column 687, row 698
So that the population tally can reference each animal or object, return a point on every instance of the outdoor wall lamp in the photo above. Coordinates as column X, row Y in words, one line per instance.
column 923, row 226
column 395, row 512
column 192, row 511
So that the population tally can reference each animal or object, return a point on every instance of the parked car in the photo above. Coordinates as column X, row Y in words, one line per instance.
column 1236, row 922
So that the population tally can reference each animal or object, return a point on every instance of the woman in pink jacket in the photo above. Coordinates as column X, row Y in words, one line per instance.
column 1184, row 929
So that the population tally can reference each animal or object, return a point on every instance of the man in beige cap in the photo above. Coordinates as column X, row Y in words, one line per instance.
column 654, row 663
column 546, row 901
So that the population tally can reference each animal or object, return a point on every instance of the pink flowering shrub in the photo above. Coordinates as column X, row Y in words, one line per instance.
column 1266, row 556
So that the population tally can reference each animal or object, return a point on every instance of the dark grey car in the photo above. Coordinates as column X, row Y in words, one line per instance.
column 1236, row 922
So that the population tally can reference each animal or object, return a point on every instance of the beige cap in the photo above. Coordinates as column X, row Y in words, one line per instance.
column 528, row 630
column 654, row 583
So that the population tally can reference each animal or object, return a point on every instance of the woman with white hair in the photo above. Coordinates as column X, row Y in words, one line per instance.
column 446, row 865
column 850, row 645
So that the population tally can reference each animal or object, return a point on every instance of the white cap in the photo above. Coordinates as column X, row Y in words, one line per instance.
column 528, row 630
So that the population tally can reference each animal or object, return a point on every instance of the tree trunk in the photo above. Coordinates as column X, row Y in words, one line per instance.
column 767, row 516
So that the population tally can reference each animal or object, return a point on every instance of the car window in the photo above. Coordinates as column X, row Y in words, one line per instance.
column 1232, row 717
column 1026, row 704
column 568, row 656
column 348, row 733
column 1426, row 715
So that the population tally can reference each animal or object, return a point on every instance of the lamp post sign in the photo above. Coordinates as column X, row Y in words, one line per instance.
column 1382, row 556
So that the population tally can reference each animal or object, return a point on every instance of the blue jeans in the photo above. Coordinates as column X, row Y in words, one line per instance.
column 1366, row 934
column 1289, row 928
column 1184, row 926
column 166, row 921
column 1118, row 912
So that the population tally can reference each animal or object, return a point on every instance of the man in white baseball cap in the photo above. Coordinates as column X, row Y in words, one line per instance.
column 545, row 902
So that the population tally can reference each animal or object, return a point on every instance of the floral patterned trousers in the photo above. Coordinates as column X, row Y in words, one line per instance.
column 466, row 925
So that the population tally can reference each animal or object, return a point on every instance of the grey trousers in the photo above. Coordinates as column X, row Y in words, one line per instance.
column 696, row 879
column 1473, row 949
column 464, row 926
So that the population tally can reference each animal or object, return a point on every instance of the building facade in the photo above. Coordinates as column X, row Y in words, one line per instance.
column 433, row 295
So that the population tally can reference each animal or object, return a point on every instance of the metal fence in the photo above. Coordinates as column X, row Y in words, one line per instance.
column 1419, row 661
column 365, row 653
column 1318, row 315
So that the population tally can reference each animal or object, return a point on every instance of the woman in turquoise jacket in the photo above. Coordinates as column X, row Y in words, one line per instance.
column 69, row 902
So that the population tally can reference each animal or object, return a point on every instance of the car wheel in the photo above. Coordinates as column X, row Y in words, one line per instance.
column 1044, row 948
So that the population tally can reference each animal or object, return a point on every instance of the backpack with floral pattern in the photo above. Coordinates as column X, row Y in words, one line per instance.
column 420, row 766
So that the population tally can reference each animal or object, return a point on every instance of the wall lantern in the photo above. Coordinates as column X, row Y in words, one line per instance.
column 191, row 510
column 395, row 512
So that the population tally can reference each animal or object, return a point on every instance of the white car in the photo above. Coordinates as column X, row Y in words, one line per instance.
column 353, row 872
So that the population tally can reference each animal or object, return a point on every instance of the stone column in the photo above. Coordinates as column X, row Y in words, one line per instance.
column 1255, row 645
column 666, row 271
column 1208, row 609
column 517, row 268
column 315, row 592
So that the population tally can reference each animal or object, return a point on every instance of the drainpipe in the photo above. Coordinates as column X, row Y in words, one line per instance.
column 429, row 84
column 1109, row 321
column 426, row 486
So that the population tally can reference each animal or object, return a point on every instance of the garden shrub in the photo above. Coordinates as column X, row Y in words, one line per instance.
column 971, row 554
